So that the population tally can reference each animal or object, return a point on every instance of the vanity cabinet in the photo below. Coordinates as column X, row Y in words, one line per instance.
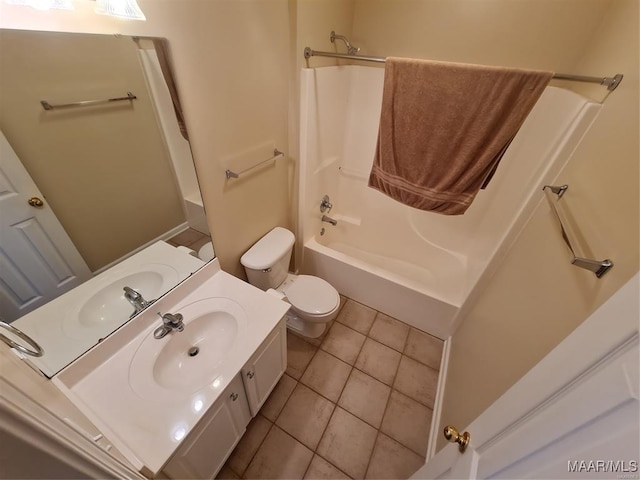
column 209, row 444
column 265, row 367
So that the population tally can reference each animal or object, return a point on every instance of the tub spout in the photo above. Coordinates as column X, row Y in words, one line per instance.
column 329, row 220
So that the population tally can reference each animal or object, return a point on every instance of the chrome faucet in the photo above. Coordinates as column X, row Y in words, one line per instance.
column 329, row 220
column 325, row 204
column 136, row 299
column 170, row 322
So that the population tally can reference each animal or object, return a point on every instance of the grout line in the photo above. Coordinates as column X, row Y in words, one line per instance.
column 257, row 449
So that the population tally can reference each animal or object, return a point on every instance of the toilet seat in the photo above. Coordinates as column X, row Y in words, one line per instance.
column 311, row 296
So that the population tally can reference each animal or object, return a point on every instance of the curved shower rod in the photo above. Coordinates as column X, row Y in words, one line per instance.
column 352, row 54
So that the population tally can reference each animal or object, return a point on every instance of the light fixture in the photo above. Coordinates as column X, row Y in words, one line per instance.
column 120, row 8
column 43, row 4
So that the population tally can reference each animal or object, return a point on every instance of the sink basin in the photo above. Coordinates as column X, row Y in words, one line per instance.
column 183, row 362
column 107, row 308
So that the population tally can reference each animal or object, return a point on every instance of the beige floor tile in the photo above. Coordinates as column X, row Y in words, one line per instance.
column 392, row 460
column 305, row 416
column 343, row 342
column 424, row 348
column 198, row 244
column 321, row 469
column 187, row 237
column 273, row 406
column 326, row 375
column 226, row 473
column 417, row 381
column 299, row 354
column 407, row 422
column 389, row 331
column 365, row 397
column 252, row 439
column 279, row 456
column 379, row 361
column 347, row 443
column 357, row 316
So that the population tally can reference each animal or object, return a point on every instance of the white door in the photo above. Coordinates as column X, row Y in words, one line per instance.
column 574, row 415
column 38, row 260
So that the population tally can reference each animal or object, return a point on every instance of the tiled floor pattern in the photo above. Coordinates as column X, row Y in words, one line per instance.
column 190, row 238
column 355, row 403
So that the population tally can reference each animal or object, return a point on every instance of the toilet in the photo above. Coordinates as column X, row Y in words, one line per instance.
column 314, row 302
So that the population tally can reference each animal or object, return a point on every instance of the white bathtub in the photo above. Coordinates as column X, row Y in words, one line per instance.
column 419, row 267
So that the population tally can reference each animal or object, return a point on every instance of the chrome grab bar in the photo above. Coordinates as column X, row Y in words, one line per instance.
column 86, row 103
column 37, row 352
column 276, row 154
column 595, row 266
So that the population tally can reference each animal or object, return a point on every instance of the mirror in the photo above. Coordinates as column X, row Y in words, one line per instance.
column 95, row 172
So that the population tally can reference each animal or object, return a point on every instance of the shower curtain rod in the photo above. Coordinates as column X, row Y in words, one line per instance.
column 610, row 82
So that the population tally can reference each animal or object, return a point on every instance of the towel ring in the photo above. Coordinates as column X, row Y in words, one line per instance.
column 37, row 349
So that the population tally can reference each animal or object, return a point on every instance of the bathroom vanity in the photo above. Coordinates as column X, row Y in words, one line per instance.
column 176, row 406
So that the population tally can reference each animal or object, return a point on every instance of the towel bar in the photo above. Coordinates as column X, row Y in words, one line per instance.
column 85, row 103
column 595, row 266
column 276, row 154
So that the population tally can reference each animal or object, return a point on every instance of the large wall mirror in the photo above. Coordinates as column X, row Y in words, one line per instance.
column 95, row 174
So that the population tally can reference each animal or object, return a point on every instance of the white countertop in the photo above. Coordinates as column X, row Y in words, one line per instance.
column 147, row 427
column 58, row 325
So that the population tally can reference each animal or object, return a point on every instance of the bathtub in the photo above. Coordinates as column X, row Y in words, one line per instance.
column 419, row 267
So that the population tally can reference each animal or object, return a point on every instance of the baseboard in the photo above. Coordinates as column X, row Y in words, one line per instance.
column 437, row 405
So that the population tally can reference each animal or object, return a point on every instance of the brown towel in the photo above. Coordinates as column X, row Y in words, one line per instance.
column 444, row 127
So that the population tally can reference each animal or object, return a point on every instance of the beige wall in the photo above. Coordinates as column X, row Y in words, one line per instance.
column 231, row 61
column 536, row 298
column 104, row 169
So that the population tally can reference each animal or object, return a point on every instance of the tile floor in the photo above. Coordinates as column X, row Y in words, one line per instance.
column 190, row 238
column 355, row 403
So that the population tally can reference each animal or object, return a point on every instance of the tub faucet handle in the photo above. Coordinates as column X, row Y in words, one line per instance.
column 325, row 205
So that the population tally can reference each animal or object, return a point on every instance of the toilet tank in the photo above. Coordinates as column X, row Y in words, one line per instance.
column 267, row 261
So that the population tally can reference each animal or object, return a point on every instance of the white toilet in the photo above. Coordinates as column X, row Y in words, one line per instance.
column 314, row 302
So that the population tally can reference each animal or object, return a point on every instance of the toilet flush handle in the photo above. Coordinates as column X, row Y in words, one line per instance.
column 266, row 270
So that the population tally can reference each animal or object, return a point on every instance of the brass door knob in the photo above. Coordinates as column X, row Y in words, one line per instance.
column 35, row 202
column 451, row 434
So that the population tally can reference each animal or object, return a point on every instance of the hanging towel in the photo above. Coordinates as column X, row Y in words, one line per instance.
column 444, row 127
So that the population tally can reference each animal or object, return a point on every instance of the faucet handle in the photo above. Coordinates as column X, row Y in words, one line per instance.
column 172, row 320
column 325, row 204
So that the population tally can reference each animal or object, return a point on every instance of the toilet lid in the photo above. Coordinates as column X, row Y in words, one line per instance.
column 312, row 295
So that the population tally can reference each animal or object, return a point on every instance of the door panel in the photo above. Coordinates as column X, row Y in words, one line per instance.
column 38, row 260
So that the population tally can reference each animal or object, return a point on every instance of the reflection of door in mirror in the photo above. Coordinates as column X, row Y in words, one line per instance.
column 38, row 260
column 114, row 173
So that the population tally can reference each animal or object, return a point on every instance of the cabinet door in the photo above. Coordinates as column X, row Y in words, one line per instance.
column 266, row 366
column 207, row 447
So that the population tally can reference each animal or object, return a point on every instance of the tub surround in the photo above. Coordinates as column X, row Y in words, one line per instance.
column 406, row 257
column 148, row 427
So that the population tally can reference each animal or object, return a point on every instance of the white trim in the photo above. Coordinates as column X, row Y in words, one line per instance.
column 439, row 400
column 26, row 419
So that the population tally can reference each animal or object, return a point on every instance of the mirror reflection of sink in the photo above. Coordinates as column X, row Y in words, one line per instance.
column 107, row 308
column 109, row 303
column 182, row 362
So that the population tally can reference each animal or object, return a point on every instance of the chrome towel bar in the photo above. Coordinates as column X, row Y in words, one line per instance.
column 554, row 194
column 37, row 349
column 86, row 103
column 276, row 154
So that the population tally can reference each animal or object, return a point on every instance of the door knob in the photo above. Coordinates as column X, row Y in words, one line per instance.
column 35, row 202
column 451, row 434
